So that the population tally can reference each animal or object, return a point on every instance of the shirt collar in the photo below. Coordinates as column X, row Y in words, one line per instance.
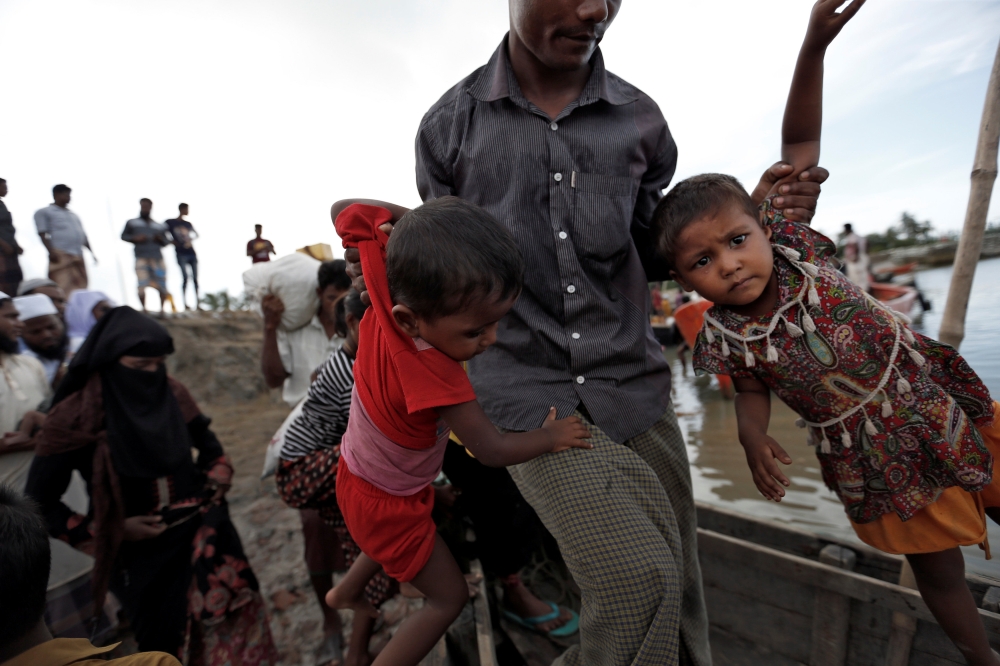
column 59, row 652
column 497, row 81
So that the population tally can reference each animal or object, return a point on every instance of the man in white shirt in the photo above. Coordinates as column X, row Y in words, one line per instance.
column 62, row 233
column 23, row 388
column 289, row 358
column 43, row 334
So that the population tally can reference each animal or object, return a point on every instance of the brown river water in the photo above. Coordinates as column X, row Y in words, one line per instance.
column 718, row 466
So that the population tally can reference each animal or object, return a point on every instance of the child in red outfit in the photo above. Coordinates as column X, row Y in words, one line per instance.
column 438, row 290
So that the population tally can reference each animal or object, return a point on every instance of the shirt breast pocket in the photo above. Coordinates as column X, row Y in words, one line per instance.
column 602, row 217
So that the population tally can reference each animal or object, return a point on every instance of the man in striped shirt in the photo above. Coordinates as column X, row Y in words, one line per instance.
column 573, row 160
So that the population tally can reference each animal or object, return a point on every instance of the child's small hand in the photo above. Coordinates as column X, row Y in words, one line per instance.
column 761, row 453
column 568, row 433
column 825, row 22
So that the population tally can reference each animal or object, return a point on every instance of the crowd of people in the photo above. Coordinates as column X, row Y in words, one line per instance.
column 506, row 344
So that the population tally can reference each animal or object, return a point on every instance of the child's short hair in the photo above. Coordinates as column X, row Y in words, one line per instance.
column 25, row 558
column 692, row 199
column 448, row 252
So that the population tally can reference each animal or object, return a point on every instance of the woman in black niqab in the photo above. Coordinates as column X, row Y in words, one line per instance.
column 147, row 433
column 158, row 524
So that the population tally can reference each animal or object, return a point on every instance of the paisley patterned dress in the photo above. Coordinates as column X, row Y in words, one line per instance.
column 903, row 409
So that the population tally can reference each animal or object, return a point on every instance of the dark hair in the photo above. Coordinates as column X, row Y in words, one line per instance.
column 692, row 199
column 258, row 226
column 25, row 559
column 334, row 273
column 145, row 199
column 182, row 206
column 448, row 252
column 3, row 180
column 60, row 188
column 848, row 227
column 351, row 303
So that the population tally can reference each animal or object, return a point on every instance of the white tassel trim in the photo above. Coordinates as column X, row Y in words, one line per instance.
column 725, row 348
column 813, row 296
column 824, row 445
column 903, row 386
column 793, row 330
column 870, row 428
column 808, row 323
column 709, row 336
column 772, row 354
column 845, row 439
column 917, row 358
column 886, row 409
column 800, row 423
column 748, row 356
column 908, row 334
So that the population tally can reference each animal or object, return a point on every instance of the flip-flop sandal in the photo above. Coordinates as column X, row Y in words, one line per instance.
column 571, row 627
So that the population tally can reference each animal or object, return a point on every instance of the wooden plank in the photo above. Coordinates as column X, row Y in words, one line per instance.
column 484, row 626
column 808, row 572
column 731, row 650
column 771, row 629
column 794, row 540
column 751, row 582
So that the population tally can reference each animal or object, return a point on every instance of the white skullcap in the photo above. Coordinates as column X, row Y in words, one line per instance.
column 36, row 305
column 3, row 296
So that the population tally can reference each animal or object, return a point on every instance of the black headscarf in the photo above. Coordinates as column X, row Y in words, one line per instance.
column 147, row 435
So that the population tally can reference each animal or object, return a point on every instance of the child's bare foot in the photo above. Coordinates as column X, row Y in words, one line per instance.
column 336, row 598
column 472, row 580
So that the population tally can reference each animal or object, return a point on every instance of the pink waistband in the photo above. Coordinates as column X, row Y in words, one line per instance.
column 397, row 470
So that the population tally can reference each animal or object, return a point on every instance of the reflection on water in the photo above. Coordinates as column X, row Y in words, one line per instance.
column 718, row 466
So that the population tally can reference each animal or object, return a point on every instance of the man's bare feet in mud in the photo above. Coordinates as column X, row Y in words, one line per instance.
column 336, row 598
column 519, row 600
column 472, row 580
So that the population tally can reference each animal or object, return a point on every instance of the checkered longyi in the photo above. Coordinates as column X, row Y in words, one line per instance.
column 624, row 518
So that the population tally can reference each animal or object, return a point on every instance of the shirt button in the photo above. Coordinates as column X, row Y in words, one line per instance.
column 558, row 177
column 562, row 235
column 554, row 126
column 580, row 379
column 571, row 289
column 576, row 336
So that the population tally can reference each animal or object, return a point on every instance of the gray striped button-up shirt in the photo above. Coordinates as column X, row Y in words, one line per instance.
column 577, row 193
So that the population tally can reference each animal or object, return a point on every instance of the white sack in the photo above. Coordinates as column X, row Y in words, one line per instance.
column 273, row 454
column 292, row 279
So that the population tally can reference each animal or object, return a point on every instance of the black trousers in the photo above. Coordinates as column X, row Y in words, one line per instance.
column 507, row 529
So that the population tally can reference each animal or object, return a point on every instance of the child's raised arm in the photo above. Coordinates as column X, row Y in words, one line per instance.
column 496, row 449
column 803, row 122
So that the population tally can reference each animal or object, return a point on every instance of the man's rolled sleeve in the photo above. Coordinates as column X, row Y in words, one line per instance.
column 42, row 222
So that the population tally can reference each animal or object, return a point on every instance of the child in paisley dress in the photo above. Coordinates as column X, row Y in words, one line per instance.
column 903, row 427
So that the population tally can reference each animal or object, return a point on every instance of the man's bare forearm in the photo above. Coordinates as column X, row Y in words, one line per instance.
column 270, row 360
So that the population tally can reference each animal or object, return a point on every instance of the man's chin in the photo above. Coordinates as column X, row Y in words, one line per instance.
column 8, row 345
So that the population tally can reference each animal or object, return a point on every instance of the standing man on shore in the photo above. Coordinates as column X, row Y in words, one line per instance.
column 183, row 234
column 572, row 160
column 10, row 267
column 62, row 233
column 148, row 237
column 259, row 249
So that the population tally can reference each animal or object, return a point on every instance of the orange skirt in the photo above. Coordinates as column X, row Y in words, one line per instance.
column 957, row 518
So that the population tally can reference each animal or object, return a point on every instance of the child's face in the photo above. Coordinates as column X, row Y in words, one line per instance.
column 725, row 257
column 460, row 336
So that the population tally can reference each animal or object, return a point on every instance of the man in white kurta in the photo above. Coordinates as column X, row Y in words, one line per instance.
column 23, row 388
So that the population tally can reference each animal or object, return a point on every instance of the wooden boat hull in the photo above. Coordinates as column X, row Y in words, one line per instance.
column 771, row 601
column 898, row 297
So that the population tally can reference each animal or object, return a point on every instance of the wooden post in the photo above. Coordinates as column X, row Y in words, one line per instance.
column 903, row 628
column 970, row 244
column 484, row 625
column 832, row 613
